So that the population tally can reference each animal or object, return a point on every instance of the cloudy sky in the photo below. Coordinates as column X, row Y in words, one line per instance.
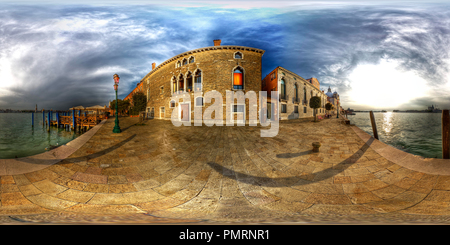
column 376, row 55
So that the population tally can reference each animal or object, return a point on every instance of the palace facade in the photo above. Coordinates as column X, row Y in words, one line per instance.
column 294, row 93
column 180, row 84
column 193, row 73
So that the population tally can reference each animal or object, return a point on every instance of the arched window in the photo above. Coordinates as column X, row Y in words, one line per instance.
column 296, row 92
column 181, row 82
column 304, row 95
column 283, row 89
column 198, row 81
column 178, row 64
column 191, row 59
column 174, row 84
column 199, row 101
column 172, row 104
column 238, row 55
column 238, row 78
column 189, row 81
column 185, row 61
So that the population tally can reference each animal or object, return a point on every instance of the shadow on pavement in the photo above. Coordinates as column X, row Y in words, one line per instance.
column 294, row 180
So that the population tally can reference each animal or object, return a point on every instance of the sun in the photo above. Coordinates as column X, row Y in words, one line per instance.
column 383, row 86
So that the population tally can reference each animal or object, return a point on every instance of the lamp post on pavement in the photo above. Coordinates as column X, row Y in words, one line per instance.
column 116, row 86
column 337, row 109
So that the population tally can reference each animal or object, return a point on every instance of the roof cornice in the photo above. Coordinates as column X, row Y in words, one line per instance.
column 221, row 47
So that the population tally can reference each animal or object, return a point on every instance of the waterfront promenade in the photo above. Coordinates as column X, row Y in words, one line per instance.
column 160, row 174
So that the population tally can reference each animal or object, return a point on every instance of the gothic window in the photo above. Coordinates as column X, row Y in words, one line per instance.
column 178, row 64
column 296, row 91
column 198, row 81
column 174, row 85
column 238, row 78
column 189, row 81
column 283, row 89
column 191, row 59
column 181, row 83
column 185, row 61
column 238, row 55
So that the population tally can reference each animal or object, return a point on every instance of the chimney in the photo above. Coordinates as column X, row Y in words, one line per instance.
column 153, row 65
column 217, row 42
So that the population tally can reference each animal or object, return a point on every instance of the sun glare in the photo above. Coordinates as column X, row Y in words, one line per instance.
column 383, row 86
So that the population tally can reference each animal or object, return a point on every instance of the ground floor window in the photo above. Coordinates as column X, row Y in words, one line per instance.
column 199, row 101
column 283, row 108
column 304, row 109
column 238, row 108
column 295, row 109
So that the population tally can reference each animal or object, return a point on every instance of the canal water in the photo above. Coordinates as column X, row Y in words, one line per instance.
column 415, row 133
column 19, row 139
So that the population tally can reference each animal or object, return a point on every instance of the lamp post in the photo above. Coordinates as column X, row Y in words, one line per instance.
column 116, row 85
column 337, row 109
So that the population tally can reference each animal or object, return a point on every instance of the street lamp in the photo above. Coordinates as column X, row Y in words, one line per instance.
column 337, row 109
column 116, row 85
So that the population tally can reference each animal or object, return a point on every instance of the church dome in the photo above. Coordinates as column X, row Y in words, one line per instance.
column 329, row 93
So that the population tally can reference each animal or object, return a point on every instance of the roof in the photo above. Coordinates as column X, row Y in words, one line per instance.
column 202, row 50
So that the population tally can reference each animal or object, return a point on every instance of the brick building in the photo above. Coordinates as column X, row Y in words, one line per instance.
column 193, row 73
column 294, row 93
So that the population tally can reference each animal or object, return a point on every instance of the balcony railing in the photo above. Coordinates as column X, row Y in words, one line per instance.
column 284, row 97
column 304, row 102
column 296, row 100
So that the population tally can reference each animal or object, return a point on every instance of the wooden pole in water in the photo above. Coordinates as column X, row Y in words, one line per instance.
column 32, row 119
column 43, row 117
column 445, row 134
column 73, row 119
column 48, row 120
column 374, row 126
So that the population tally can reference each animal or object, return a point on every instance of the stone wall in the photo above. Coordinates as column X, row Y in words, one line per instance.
column 216, row 64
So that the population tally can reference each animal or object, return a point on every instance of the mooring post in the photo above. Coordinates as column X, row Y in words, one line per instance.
column 43, row 117
column 49, row 121
column 445, row 134
column 73, row 119
column 32, row 119
column 57, row 119
column 374, row 126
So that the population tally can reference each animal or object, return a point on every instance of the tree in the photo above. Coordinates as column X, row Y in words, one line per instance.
column 139, row 103
column 122, row 105
column 315, row 102
column 328, row 106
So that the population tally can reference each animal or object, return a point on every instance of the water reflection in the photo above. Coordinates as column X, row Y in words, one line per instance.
column 387, row 122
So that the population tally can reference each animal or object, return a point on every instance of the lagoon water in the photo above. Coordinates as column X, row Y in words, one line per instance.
column 18, row 138
column 415, row 133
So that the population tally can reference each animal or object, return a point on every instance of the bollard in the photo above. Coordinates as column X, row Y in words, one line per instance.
column 374, row 125
column 49, row 121
column 445, row 134
column 73, row 119
column 32, row 119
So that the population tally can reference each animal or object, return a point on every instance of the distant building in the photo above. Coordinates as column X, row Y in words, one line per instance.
column 294, row 93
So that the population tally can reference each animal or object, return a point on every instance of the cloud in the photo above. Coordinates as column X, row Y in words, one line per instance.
column 64, row 55
column 330, row 43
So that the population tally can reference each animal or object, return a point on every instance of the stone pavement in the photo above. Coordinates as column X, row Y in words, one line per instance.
column 160, row 174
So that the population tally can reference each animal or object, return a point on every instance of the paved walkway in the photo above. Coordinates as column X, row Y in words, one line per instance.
column 158, row 173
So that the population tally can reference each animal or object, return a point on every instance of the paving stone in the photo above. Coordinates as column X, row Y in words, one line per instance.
column 226, row 174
